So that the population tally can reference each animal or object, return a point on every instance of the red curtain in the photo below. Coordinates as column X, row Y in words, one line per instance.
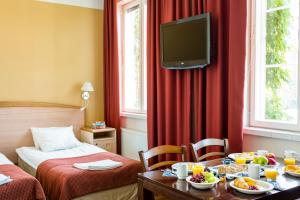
column 111, row 68
column 189, row 105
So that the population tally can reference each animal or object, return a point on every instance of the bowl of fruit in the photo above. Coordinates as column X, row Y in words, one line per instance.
column 205, row 180
column 266, row 161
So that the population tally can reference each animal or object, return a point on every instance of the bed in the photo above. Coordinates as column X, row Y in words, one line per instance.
column 23, row 186
column 32, row 160
column 37, row 163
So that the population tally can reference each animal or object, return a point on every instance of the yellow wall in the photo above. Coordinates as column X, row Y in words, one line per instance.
column 48, row 50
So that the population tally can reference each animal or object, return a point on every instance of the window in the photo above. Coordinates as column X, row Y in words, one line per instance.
column 274, row 101
column 132, row 37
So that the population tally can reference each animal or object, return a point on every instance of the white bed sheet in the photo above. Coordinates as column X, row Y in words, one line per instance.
column 4, row 160
column 34, row 157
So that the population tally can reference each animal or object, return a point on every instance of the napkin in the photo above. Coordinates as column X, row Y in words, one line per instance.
column 4, row 179
column 98, row 165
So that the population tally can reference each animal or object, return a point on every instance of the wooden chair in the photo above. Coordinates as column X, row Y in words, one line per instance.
column 206, row 143
column 164, row 149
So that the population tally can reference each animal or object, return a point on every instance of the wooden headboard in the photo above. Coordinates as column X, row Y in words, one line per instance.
column 16, row 119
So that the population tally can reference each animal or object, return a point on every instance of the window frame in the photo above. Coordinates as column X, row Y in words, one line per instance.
column 256, row 45
column 123, row 5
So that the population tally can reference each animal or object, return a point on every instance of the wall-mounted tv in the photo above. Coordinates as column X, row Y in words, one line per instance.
column 185, row 43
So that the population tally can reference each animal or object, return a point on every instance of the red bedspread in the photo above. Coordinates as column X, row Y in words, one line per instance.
column 61, row 181
column 23, row 186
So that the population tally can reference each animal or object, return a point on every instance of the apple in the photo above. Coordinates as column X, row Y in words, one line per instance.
column 271, row 161
column 270, row 155
column 262, row 160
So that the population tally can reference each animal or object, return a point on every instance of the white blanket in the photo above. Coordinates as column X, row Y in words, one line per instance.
column 4, row 179
column 34, row 157
column 98, row 165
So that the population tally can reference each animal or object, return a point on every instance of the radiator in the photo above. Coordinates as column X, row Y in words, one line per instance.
column 132, row 142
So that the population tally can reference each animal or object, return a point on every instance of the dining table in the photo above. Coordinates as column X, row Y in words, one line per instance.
column 170, row 187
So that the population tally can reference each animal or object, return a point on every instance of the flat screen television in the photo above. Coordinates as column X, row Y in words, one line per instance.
column 185, row 43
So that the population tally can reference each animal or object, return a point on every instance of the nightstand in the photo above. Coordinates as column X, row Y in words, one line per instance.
column 104, row 138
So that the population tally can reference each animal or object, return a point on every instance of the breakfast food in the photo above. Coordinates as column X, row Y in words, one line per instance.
column 293, row 168
column 268, row 159
column 246, row 183
column 205, row 177
column 231, row 169
column 247, row 155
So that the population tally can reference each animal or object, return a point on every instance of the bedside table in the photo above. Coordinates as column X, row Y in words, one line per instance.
column 104, row 138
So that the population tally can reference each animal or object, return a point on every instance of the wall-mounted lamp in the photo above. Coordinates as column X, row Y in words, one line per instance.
column 86, row 88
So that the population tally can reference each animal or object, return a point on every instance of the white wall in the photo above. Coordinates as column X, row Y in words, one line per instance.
column 277, row 146
column 133, row 137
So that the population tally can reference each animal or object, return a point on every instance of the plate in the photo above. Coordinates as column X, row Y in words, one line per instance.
column 202, row 186
column 291, row 173
column 263, row 185
column 248, row 157
column 190, row 166
column 214, row 169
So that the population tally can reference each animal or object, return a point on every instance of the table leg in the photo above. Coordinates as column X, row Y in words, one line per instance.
column 144, row 194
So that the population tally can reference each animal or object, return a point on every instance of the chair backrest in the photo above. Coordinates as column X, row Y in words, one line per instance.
column 206, row 143
column 164, row 149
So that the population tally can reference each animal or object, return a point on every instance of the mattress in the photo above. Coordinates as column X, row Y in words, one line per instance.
column 4, row 160
column 34, row 157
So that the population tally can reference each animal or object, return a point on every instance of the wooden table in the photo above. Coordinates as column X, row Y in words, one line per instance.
column 175, row 189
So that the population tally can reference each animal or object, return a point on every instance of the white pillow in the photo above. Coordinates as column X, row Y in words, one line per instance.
column 54, row 138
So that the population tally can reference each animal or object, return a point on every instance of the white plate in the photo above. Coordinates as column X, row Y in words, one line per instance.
column 263, row 185
column 234, row 155
column 291, row 173
column 202, row 186
column 214, row 169
column 174, row 166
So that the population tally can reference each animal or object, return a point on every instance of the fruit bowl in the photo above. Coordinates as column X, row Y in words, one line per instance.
column 267, row 161
column 202, row 186
column 271, row 166
column 268, row 166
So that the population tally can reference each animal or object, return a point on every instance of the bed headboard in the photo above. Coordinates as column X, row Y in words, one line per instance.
column 16, row 118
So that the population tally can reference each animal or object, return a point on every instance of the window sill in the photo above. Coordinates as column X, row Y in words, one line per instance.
column 133, row 115
column 272, row 133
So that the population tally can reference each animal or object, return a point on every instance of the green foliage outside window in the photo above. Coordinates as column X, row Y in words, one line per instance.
column 276, row 48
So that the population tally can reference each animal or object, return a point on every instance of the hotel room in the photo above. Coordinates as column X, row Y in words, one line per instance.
column 149, row 99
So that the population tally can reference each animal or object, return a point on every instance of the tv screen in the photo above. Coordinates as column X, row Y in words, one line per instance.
column 185, row 43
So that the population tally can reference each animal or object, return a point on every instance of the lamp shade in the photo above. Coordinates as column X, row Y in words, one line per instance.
column 87, row 87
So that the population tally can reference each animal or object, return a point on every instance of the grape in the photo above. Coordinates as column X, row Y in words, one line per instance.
column 198, row 178
column 211, row 179
column 253, row 188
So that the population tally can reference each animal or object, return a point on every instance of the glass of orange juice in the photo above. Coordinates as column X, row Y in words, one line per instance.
column 197, row 169
column 271, row 174
column 289, row 161
column 240, row 160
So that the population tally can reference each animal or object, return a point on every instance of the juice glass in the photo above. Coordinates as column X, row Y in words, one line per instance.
column 289, row 161
column 271, row 174
column 240, row 160
column 197, row 169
